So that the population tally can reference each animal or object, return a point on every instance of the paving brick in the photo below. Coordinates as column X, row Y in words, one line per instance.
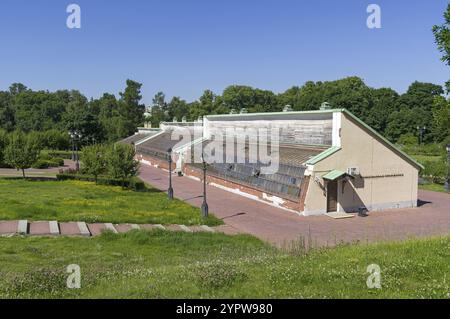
column 8, row 227
column 123, row 228
column 39, row 228
column 96, row 229
column 69, row 229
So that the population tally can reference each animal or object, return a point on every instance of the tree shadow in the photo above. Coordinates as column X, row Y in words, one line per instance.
column 234, row 215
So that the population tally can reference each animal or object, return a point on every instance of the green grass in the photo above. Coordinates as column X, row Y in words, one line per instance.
column 433, row 187
column 85, row 201
column 202, row 265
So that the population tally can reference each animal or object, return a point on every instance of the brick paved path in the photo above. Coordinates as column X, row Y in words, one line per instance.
column 53, row 228
column 279, row 227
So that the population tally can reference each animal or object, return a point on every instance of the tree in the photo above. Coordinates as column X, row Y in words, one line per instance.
column 3, row 143
column 93, row 159
column 442, row 38
column 158, row 110
column 129, row 107
column 21, row 151
column 441, row 119
column 120, row 162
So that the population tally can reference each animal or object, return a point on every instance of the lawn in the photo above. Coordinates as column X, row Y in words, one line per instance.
column 202, row 265
column 85, row 201
column 433, row 187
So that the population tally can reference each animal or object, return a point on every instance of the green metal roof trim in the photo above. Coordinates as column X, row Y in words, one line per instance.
column 392, row 146
column 316, row 159
column 334, row 174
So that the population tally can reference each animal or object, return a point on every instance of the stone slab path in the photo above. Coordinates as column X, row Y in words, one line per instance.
column 53, row 228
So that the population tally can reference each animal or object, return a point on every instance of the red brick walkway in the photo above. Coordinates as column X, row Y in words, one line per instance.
column 279, row 226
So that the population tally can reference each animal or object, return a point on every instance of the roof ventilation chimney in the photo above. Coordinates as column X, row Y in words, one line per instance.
column 325, row 106
column 287, row 108
column 243, row 111
column 175, row 119
column 183, row 119
column 232, row 111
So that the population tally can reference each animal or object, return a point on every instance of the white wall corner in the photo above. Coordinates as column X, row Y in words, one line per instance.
column 337, row 120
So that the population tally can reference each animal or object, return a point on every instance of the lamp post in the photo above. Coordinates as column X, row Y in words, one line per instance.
column 446, row 186
column 421, row 131
column 170, row 190
column 205, row 209
column 75, row 136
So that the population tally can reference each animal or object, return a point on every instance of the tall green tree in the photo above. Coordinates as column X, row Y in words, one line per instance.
column 442, row 38
column 130, row 108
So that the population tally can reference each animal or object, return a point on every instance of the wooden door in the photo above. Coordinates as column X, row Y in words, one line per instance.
column 331, row 196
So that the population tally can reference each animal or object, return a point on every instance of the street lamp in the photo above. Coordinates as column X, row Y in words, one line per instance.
column 170, row 190
column 421, row 131
column 205, row 209
column 75, row 136
column 446, row 186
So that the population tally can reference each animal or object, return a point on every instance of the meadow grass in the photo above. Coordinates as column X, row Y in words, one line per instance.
column 86, row 201
column 161, row 264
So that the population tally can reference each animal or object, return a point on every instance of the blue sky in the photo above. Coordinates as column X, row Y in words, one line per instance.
column 183, row 47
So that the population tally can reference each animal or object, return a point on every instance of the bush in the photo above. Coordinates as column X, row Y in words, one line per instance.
column 60, row 154
column 133, row 183
column 435, row 171
column 41, row 164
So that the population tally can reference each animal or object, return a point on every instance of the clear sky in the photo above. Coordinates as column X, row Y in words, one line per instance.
column 183, row 47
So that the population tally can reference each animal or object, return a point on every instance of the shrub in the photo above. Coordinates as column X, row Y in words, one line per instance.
column 61, row 154
column 436, row 171
column 133, row 183
column 41, row 164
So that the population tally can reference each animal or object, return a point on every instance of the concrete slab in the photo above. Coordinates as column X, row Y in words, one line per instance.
column 54, row 227
column 69, row 229
column 96, row 228
column 110, row 227
column 22, row 227
column 83, row 228
column 207, row 228
column 8, row 227
column 185, row 228
column 123, row 228
column 135, row 226
column 39, row 228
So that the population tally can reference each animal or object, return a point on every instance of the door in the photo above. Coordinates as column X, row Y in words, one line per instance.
column 331, row 196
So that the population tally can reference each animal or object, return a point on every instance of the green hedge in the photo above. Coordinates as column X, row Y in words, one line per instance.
column 46, row 163
column 133, row 183
column 59, row 154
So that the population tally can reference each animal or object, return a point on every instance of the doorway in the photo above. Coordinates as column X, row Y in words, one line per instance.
column 332, row 196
